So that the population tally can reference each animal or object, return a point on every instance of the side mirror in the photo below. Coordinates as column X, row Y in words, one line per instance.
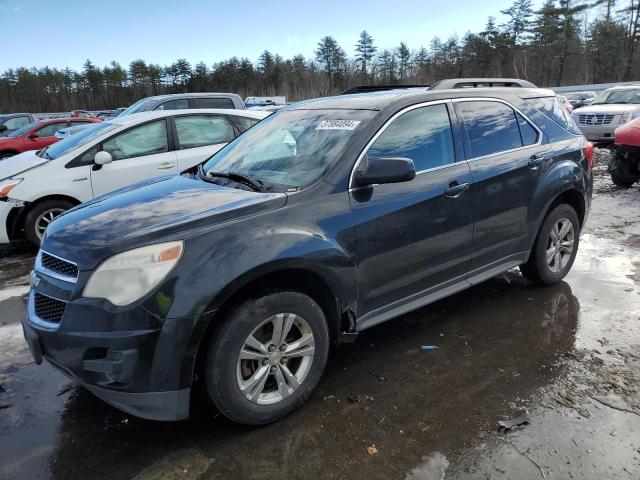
column 32, row 136
column 102, row 158
column 384, row 170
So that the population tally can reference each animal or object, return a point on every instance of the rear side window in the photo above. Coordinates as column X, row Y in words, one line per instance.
column 491, row 127
column 16, row 123
column 173, row 105
column 211, row 103
column 551, row 107
column 423, row 135
column 200, row 130
column 243, row 123
column 528, row 133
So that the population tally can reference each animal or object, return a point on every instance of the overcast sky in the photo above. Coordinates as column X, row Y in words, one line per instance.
column 67, row 32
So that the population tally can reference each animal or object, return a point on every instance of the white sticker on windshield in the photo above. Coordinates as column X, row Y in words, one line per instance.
column 338, row 125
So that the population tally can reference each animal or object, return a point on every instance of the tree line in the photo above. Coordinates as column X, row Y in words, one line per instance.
column 565, row 42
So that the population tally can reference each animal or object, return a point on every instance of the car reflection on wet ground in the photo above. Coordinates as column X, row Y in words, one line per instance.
column 567, row 355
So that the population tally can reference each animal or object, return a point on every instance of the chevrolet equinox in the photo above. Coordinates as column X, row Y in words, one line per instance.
column 325, row 219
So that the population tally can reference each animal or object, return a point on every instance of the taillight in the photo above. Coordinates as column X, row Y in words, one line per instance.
column 588, row 153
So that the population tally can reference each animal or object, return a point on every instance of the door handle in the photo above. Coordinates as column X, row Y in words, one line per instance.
column 535, row 161
column 166, row 166
column 456, row 189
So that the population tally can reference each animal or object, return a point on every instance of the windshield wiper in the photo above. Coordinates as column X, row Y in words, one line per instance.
column 234, row 176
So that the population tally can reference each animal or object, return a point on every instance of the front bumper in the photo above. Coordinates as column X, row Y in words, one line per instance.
column 128, row 357
column 5, row 208
column 599, row 133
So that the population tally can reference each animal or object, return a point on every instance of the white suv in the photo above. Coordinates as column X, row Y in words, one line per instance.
column 610, row 109
column 37, row 186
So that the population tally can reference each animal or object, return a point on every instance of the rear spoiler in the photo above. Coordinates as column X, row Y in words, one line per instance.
column 481, row 83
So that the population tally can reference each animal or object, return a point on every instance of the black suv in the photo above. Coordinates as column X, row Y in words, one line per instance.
column 324, row 219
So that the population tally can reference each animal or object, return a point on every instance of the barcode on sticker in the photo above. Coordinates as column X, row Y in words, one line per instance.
column 338, row 125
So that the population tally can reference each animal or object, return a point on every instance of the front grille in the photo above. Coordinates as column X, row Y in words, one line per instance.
column 58, row 265
column 594, row 119
column 48, row 309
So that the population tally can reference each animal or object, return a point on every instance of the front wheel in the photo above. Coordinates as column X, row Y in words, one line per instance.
column 623, row 170
column 40, row 216
column 555, row 248
column 267, row 357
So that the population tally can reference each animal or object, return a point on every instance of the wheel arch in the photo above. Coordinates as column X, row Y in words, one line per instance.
column 17, row 216
column 299, row 276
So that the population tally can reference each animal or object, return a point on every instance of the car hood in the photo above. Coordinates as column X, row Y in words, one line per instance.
column 607, row 108
column 166, row 208
column 12, row 166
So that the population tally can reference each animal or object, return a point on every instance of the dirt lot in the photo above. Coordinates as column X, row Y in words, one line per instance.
column 568, row 357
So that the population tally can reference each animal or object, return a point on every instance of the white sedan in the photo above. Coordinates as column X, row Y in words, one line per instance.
column 35, row 187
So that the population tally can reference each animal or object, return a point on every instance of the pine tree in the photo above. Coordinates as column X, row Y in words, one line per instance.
column 365, row 50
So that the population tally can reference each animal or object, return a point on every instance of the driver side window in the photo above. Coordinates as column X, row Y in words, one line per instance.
column 50, row 129
column 147, row 139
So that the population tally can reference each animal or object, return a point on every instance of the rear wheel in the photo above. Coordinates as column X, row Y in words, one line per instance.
column 623, row 169
column 555, row 248
column 40, row 216
column 267, row 357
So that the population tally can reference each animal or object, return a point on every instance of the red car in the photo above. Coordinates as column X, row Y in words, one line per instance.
column 624, row 164
column 37, row 135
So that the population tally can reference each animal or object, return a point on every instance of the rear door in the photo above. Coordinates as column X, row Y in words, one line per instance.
column 505, row 154
column 198, row 136
column 413, row 238
column 139, row 153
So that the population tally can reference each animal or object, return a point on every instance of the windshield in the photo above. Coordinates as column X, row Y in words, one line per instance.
column 21, row 131
column 77, row 140
column 292, row 148
column 140, row 106
column 618, row 96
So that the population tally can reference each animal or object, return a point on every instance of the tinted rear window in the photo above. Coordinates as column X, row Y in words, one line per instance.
column 210, row 103
column 551, row 108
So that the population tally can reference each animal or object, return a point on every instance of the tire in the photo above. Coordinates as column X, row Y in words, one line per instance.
column 226, row 372
column 37, row 215
column 537, row 269
column 621, row 171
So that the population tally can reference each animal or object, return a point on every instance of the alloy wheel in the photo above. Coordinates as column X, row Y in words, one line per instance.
column 560, row 245
column 44, row 219
column 275, row 358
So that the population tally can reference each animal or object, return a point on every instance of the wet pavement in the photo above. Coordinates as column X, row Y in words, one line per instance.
column 568, row 356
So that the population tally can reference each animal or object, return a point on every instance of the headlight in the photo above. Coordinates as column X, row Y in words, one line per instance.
column 625, row 117
column 126, row 277
column 7, row 186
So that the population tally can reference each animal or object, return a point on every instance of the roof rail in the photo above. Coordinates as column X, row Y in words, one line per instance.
column 378, row 88
column 481, row 83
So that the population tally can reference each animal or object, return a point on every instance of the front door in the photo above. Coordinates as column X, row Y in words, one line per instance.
column 505, row 154
column 46, row 135
column 140, row 153
column 414, row 237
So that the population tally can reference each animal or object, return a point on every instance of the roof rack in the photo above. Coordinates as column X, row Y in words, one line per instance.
column 378, row 88
column 481, row 83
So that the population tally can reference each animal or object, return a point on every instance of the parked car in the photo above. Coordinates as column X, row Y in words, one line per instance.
column 323, row 220
column 183, row 101
column 13, row 121
column 68, row 131
column 624, row 163
column 35, row 187
column 580, row 99
column 610, row 109
column 36, row 135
